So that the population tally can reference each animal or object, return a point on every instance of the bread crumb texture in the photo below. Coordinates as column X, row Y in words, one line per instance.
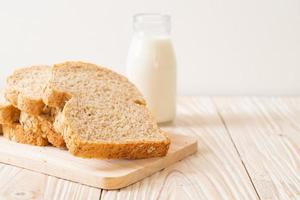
column 8, row 113
column 104, row 115
column 15, row 132
column 42, row 124
column 25, row 88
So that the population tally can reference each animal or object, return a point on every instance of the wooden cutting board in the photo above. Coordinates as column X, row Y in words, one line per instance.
column 106, row 174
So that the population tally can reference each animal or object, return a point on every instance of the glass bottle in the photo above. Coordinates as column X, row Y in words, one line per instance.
column 151, row 64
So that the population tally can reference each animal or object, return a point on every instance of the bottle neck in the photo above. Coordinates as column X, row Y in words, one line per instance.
column 152, row 25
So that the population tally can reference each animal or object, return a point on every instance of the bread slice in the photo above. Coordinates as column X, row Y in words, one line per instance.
column 25, row 87
column 16, row 132
column 42, row 123
column 104, row 115
column 24, row 90
column 13, row 130
column 78, row 78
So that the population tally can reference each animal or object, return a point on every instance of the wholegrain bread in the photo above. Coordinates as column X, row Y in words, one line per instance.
column 8, row 113
column 104, row 115
column 25, row 87
column 78, row 78
column 42, row 123
column 24, row 90
column 13, row 130
column 16, row 132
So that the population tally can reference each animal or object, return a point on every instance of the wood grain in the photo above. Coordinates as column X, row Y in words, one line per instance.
column 108, row 174
column 215, row 172
column 237, row 138
column 266, row 132
column 17, row 183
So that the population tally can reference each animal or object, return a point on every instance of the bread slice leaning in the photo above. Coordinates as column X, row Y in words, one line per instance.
column 104, row 115
column 25, row 87
column 78, row 78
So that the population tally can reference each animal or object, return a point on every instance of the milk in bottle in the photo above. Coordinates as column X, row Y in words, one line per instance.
column 151, row 64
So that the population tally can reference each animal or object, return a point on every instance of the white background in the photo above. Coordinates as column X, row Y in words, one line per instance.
column 223, row 47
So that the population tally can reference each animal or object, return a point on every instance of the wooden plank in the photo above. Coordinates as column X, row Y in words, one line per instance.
column 266, row 132
column 62, row 189
column 108, row 174
column 215, row 172
column 18, row 183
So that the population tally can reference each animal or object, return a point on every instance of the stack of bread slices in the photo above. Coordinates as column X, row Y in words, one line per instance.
column 88, row 109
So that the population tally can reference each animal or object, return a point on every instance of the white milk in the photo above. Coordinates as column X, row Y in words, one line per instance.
column 151, row 66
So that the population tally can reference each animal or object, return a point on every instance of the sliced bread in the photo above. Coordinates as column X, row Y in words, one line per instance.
column 16, row 132
column 104, row 115
column 78, row 78
column 25, row 87
column 24, row 90
column 13, row 130
column 42, row 123
column 8, row 113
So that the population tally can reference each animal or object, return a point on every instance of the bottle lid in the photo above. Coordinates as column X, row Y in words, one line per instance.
column 152, row 23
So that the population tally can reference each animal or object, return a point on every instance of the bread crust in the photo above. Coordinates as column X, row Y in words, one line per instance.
column 15, row 132
column 9, row 114
column 114, row 150
column 34, row 118
column 54, row 98
column 42, row 124
column 30, row 105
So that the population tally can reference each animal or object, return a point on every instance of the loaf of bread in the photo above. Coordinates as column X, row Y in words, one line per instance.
column 104, row 115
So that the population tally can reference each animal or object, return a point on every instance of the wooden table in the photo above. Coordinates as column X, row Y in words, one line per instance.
column 248, row 148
